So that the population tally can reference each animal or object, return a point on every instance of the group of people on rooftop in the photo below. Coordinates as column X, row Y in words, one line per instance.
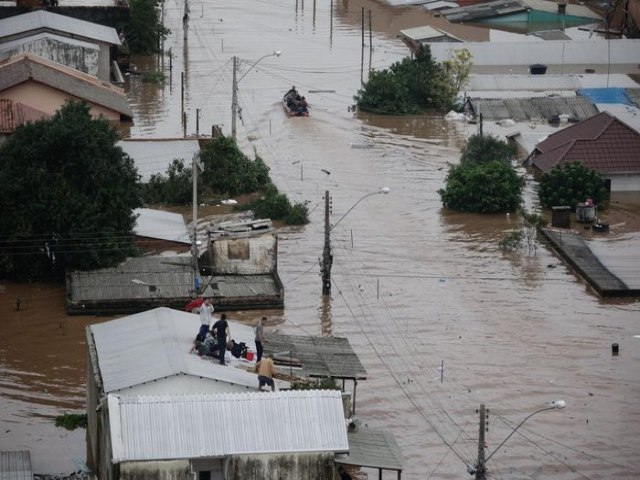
column 211, row 341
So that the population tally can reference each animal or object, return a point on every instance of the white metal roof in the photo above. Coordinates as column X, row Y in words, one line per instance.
column 424, row 33
column 153, row 345
column 592, row 53
column 216, row 425
column 43, row 19
column 523, row 82
column 152, row 156
column 160, row 224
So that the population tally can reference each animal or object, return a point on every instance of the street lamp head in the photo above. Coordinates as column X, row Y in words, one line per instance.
column 277, row 53
column 559, row 404
column 385, row 190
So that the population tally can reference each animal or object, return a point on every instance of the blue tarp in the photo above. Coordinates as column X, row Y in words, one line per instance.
column 606, row 95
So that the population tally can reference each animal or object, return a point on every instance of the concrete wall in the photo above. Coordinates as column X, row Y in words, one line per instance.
column 48, row 100
column 307, row 466
column 80, row 58
column 245, row 256
column 165, row 470
column 624, row 183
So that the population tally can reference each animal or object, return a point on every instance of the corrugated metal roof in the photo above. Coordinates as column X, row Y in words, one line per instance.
column 374, row 449
column 15, row 114
column 154, row 344
column 149, row 277
column 440, row 5
column 24, row 67
column 197, row 426
column 582, row 53
column 527, row 109
column 153, row 156
column 320, row 356
column 160, row 224
column 237, row 286
column 44, row 19
column 606, row 95
column 425, row 33
column 15, row 465
column 495, row 8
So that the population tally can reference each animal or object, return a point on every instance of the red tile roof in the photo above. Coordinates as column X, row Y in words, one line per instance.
column 602, row 143
column 15, row 114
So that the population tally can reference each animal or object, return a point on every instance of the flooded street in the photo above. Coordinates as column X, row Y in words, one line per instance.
column 415, row 287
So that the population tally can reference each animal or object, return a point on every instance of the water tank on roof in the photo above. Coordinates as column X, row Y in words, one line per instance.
column 537, row 69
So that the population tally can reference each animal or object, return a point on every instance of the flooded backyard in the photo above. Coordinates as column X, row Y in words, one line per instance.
column 415, row 287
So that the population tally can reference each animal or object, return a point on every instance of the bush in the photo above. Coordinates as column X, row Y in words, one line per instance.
column 486, row 148
column 490, row 187
column 71, row 421
column 570, row 184
column 153, row 76
column 176, row 188
column 276, row 205
column 408, row 87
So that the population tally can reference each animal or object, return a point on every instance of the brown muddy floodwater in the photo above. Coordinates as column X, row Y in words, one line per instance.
column 414, row 286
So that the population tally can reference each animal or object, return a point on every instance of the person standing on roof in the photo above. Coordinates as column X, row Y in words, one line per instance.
column 259, row 332
column 265, row 371
column 222, row 332
column 206, row 312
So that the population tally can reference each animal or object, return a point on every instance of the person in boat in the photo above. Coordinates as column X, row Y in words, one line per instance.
column 303, row 106
column 291, row 93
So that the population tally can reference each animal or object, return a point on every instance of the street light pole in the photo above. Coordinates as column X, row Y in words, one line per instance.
column 481, row 469
column 234, row 92
column 327, row 257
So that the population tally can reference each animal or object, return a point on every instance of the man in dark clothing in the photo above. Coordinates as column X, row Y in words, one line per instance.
column 222, row 332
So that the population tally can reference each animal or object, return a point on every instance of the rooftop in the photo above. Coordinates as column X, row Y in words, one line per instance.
column 44, row 20
column 253, row 423
column 25, row 67
column 153, row 345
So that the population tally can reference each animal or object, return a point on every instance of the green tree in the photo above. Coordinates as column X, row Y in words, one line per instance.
column 176, row 188
column 486, row 148
column 570, row 184
column 227, row 170
column 489, row 187
column 409, row 86
column 458, row 68
column 67, row 193
column 144, row 31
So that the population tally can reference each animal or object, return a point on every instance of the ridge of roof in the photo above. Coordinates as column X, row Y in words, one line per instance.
column 27, row 66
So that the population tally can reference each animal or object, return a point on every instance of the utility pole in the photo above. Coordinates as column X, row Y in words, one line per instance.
column 327, row 258
column 234, row 99
column 480, row 466
column 196, row 273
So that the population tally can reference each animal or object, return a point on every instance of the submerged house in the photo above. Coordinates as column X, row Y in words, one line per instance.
column 148, row 354
column 45, row 85
column 236, row 436
column 243, row 272
column 85, row 46
column 602, row 143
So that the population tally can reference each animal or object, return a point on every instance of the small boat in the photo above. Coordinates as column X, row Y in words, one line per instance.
column 294, row 104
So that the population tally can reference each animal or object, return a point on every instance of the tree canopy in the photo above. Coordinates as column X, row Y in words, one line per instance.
column 68, row 193
column 144, row 29
column 486, row 148
column 490, row 187
column 570, row 184
column 485, row 181
column 409, row 86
